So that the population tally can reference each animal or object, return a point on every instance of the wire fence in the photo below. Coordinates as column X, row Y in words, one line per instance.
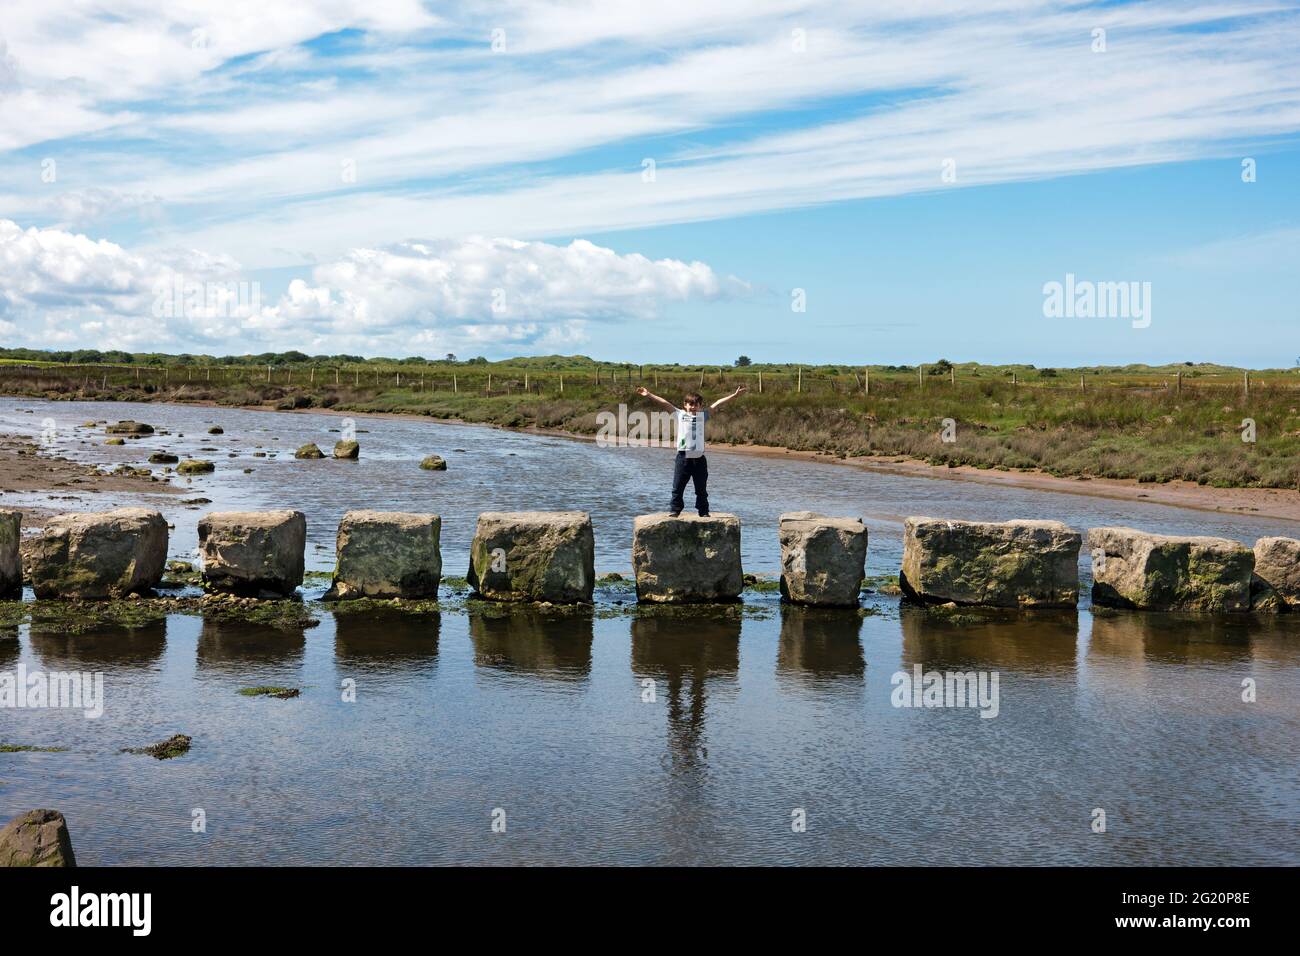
column 496, row 380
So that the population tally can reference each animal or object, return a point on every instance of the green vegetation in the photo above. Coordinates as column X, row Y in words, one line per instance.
column 175, row 746
column 281, row 693
column 1150, row 423
column 81, row 617
column 882, row 584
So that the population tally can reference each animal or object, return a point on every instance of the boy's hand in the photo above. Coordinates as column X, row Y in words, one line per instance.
column 642, row 390
column 741, row 388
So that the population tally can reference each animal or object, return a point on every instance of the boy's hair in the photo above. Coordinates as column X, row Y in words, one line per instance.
column 695, row 397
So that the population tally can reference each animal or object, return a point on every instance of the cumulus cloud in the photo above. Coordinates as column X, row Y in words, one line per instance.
column 486, row 291
column 60, row 289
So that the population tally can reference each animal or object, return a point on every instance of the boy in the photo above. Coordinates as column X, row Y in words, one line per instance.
column 691, row 463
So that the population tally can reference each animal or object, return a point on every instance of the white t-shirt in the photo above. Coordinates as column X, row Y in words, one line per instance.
column 690, row 431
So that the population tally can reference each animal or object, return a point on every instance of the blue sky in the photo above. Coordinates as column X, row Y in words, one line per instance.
column 403, row 178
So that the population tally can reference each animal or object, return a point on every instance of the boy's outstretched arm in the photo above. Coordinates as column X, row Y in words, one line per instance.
column 642, row 390
column 726, row 398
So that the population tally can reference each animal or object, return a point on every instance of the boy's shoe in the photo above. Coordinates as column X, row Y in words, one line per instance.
column 674, row 514
column 704, row 514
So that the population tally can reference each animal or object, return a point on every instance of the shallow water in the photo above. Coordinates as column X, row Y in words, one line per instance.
column 756, row 714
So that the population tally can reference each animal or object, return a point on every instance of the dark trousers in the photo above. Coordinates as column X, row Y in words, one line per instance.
column 697, row 471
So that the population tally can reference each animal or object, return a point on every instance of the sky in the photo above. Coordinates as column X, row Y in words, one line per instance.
column 795, row 181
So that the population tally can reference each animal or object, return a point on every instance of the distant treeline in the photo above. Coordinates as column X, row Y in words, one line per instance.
column 293, row 358
column 116, row 357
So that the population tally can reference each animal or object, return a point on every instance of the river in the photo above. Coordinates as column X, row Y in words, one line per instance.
column 765, row 735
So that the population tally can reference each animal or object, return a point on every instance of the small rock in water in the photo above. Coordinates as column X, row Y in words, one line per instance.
column 347, row 450
column 434, row 463
column 309, row 450
column 115, row 441
column 129, row 427
column 163, row 458
column 195, row 466
column 216, row 430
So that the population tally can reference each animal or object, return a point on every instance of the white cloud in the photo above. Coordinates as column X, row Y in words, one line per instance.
column 481, row 290
column 60, row 289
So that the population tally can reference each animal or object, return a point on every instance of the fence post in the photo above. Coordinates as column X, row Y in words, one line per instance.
column 799, row 385
column 760, row 383
column 866, row 380
column 920, row 377
column 1245, row 382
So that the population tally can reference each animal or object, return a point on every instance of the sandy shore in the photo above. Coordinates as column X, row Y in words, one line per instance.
column 23, row 469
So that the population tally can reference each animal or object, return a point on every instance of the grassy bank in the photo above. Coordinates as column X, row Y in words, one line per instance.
column 1152, row 424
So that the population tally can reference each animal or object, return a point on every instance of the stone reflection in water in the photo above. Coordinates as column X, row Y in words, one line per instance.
column 102, row 648
column 682, row 653
column 10, row 648
column 228, row 645
column 402, row 644
column 989, row 639
column 554, row 644
column 820, row 646
column 1174, row 638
